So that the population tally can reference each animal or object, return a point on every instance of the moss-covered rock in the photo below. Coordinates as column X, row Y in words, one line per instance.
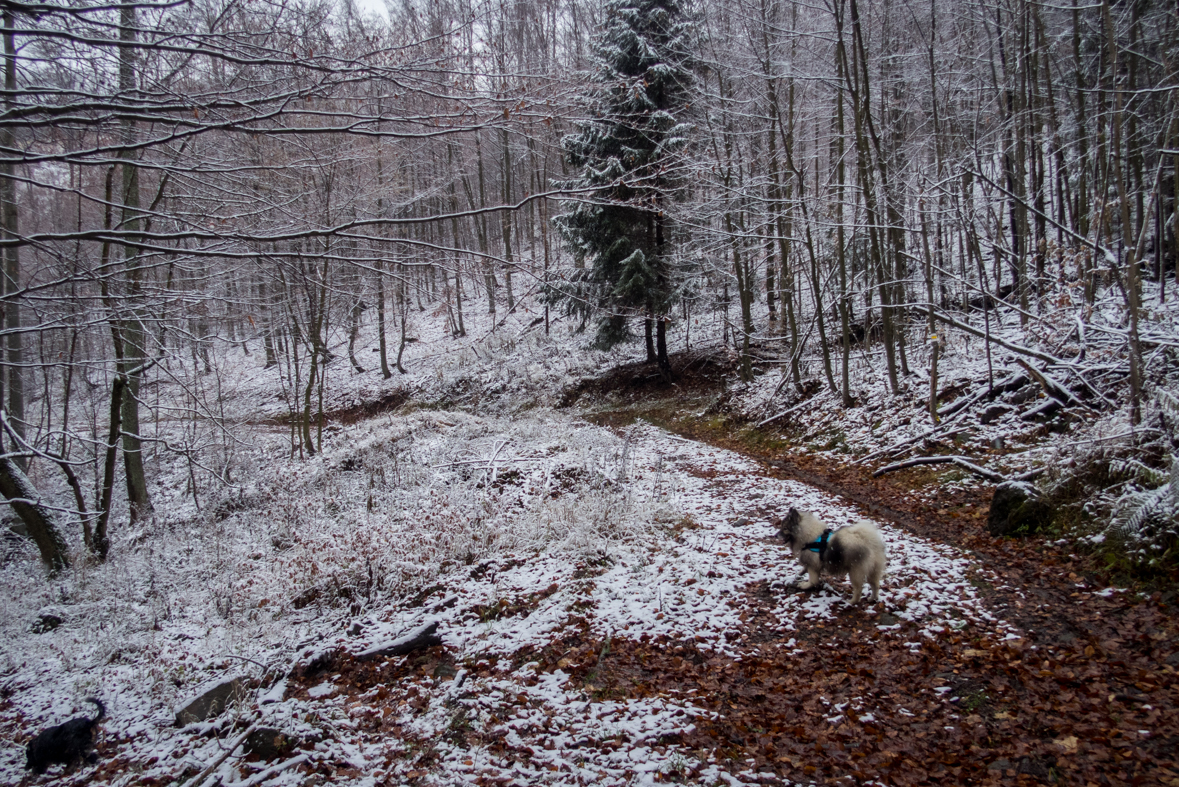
column 1017, row 509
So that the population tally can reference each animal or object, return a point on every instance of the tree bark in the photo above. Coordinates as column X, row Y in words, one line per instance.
column 382, row 342
column 133, row 333
column 840, row 236
column 12, row 374
column 934, row 340
column 354, row 333
column 506, row 219
column 1128, row 244
column 100, row 542
column 26, row 502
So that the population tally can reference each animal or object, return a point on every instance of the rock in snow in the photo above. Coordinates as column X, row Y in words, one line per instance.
column 1017, row 509
column 212, row 701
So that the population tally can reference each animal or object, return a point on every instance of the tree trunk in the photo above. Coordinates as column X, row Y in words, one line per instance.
column 11, row 375
column 458, row 301
column 506, row 219
column 661, row 346
column 354, row 333
column 1081, row 209
column 934, row 340
column 403, row 308
column 481, row 228
column 268, row 347
column 1175, row 198
column 382, row 342
column 100, row 542
column 783, row 226
column 743, row 277
column 25, row 500
column 1119, row 177
column 456, row 242
column 133, row 333
column 856, row 75
column 841, row 240
column 305, row 420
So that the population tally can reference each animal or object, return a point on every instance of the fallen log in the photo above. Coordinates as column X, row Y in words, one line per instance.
column 1078, row 373
column 423, row 636
column 1050, row 406
column 203, row 776
column 937, row 433
column 1051, row 386
column 961, row 461
column 961, row 404
column 1012, row 383
column 784, row 413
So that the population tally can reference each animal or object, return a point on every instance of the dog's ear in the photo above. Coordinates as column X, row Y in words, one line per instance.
column 791, row 522
column 787, row 526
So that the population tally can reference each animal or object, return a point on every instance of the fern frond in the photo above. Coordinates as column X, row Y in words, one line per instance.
column 1173, row 484
column 1169, row 408
column 1148, row 520
column 1134, row 509
column 1138, row 471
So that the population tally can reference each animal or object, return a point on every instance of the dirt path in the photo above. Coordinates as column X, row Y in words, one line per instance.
column 1004, row 668
column 681, row 652
column 1087, row 695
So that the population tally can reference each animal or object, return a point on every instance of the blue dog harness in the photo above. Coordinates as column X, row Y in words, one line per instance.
column 820, row 544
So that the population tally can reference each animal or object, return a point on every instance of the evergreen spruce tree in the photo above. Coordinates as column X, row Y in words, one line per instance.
column 626, row 154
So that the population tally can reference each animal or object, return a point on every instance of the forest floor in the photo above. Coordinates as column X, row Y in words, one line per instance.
column 628, row 618
column 1087, row 694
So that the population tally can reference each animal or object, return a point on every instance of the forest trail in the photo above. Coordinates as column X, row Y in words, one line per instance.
column 1087, row 694
column 691, row 658
column 688, row 658
column 677, row 651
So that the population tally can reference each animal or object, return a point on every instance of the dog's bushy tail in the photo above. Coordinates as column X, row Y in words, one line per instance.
column 870, row 526
column 101, row 709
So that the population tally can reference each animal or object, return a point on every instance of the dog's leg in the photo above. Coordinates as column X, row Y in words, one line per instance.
column 877, row 575
column 811, row 581
column 857, row 582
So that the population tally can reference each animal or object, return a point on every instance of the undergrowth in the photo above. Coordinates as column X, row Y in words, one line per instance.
column 1119, row 497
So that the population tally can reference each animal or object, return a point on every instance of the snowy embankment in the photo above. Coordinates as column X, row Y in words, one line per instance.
column 517, row 536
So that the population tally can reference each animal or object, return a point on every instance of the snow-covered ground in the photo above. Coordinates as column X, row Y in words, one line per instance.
column 499, row 516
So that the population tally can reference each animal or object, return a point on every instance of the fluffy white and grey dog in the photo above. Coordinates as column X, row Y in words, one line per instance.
column 856, row 550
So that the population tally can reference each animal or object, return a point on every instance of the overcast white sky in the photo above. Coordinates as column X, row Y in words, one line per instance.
column 370, row 6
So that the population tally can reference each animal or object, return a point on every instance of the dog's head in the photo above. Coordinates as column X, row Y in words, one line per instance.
column 788, row 528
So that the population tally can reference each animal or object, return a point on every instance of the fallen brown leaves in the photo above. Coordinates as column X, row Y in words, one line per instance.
column 1088, row 696
column 851, row 703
